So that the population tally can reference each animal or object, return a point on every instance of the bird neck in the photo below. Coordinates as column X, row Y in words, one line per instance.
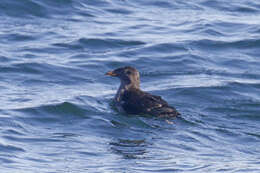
column 129, row 85
column 125, row 87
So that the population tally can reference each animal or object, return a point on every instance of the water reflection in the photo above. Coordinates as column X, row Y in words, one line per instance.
column 129, row 149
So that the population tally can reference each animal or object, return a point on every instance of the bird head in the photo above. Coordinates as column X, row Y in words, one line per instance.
column 128, row 75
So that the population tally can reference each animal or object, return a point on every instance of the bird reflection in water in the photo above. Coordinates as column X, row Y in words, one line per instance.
column 129, row 149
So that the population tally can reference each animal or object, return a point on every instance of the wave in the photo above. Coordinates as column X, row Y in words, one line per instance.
column 99, row 44
column 232, row 6
column 223, row 45
column 60, row 109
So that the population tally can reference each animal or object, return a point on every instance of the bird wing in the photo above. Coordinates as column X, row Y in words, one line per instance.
column 139, row 102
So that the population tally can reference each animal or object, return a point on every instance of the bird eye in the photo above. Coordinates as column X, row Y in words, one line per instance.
column 128, row 72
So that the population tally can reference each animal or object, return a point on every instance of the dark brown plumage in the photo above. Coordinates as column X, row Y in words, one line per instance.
column 132, row 100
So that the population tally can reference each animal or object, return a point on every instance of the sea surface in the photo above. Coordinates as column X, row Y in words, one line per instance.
column 202, row 56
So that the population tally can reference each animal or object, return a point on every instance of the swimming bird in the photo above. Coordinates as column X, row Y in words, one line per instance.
column 132, row 100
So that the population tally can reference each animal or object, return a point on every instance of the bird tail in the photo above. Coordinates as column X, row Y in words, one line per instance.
column 167, row 112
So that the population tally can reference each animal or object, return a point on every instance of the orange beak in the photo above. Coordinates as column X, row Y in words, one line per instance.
column 111, row 73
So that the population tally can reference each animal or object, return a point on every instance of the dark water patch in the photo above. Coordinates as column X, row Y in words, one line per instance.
column 28, row 68
column 69, row 46
column 108, row 43
column 239, row 63
column 37, row 160
column 248, row 84
column 14, row 131
column 63, row 109
column 24, row 69
column 10, row 149
column 252, row 76
column 64, row 135
column 148, row 169
column 215, row 45
column 231, row 28
column 188, row 71
column 4, row 59
column 46, row 9
column 125, row 123
column 170, row 5
column 204, row 138
column 257, row 135
column 212, row 32
column 246, row 9
column 42, row 50
column 247, row 170
column 33, row 73
column 119, row 11
column 129, row 149
column 227, row 132
column 51, row 116
column 22, row 8
column 4, row 160
column 16, row 37
column 59, row 6
column 100, row 3
column 84, row 14
column 249, row 115
column 166, row 48
column 94, row 104
column 215, row 92
column 31, row 139
column 33, row 68
column 231, row 6
column 8, row 122
column 30, row 56
column 97, row 45
column 243, row 108
column 176, row 63
column 161, row 4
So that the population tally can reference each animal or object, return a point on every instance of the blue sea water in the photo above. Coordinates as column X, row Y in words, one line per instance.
column 202, row 56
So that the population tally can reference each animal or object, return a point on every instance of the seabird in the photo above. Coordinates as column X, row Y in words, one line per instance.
column 132, row 100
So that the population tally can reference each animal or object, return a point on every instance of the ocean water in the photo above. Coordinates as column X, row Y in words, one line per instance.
column 202, row 56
